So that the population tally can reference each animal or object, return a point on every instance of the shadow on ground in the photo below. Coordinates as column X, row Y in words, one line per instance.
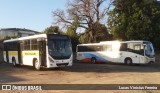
column 112, row 67
column 86, row 67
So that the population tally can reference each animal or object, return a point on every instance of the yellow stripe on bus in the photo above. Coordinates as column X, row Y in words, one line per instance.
column 30, row 53
column 12, row 53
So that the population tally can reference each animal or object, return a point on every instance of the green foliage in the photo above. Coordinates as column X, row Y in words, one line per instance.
column 84, row 38
column 100, row 33
column 71, row 31
column 74, row 39
column 51, row 30
column 8, row 37
column 135, row 20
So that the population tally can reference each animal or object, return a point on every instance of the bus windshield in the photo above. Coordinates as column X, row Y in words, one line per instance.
column 149, row 50
column 59, row 49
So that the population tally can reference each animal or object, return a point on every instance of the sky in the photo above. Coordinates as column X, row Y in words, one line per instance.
column 30, row 14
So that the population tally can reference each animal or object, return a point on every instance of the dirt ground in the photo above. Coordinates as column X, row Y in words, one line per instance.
column 83, row 73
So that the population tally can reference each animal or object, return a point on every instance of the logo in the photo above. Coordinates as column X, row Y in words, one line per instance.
column 6, row 87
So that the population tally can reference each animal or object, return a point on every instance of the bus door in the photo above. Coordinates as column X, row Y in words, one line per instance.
column 136, row 56
column 42, row 52
column 20, row 47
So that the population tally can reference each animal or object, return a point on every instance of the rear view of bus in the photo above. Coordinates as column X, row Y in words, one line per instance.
column 59, row 51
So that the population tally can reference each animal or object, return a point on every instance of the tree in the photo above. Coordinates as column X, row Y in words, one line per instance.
column 100, row 34
column 71, row 31
column 135, row 20
column 84, row 38
column 90, row 12
column 52, row 30
column 8, row 37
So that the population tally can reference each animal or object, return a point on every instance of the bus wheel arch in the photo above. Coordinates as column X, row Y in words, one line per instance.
column 128, row 61
column 93, row 60
column 14, row 61
column 36, row 64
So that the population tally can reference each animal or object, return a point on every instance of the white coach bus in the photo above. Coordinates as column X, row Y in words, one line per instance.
column 43, row 50
column 128, row 52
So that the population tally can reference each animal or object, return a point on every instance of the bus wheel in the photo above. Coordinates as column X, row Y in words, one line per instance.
column 93, row 60
column 36, row 65
column 128, row 61
column 14, row 62
column 151, row 62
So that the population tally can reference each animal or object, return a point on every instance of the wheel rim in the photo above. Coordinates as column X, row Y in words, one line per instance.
column 128, row 61
column 93, row 61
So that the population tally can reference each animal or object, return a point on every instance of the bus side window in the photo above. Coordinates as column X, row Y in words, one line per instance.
column 89, row 48
column 9, row 48
column 34, row 44
column 98, row 48
column 27, row 45
column 81, row 48
column 137, row 47
column 15, row 46
column 107, row 48
column 123, row 47
column 130, row 47
column 85, row 48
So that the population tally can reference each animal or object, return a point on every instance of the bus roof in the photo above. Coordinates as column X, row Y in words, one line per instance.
column 132, row 41
column 27, row 37
column 113, row 42
column 89, row 44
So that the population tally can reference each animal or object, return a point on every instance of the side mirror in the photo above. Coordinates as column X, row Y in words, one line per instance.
column 145, row 47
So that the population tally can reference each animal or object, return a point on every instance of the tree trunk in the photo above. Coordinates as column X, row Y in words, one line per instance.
column 91, row 39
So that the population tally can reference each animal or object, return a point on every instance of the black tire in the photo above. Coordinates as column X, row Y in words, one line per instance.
column 93, row 60
column 37, row 65
column 151, row 62
column 128, row 61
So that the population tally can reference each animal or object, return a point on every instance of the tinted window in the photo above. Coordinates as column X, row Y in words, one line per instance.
column 90, row 48
column 123, row 47
column 12, row 46
column 136, row 48
column 85, row 48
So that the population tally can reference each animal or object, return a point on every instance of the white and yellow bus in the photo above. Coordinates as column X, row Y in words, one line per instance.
column 43, row 50
column 128, row 52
